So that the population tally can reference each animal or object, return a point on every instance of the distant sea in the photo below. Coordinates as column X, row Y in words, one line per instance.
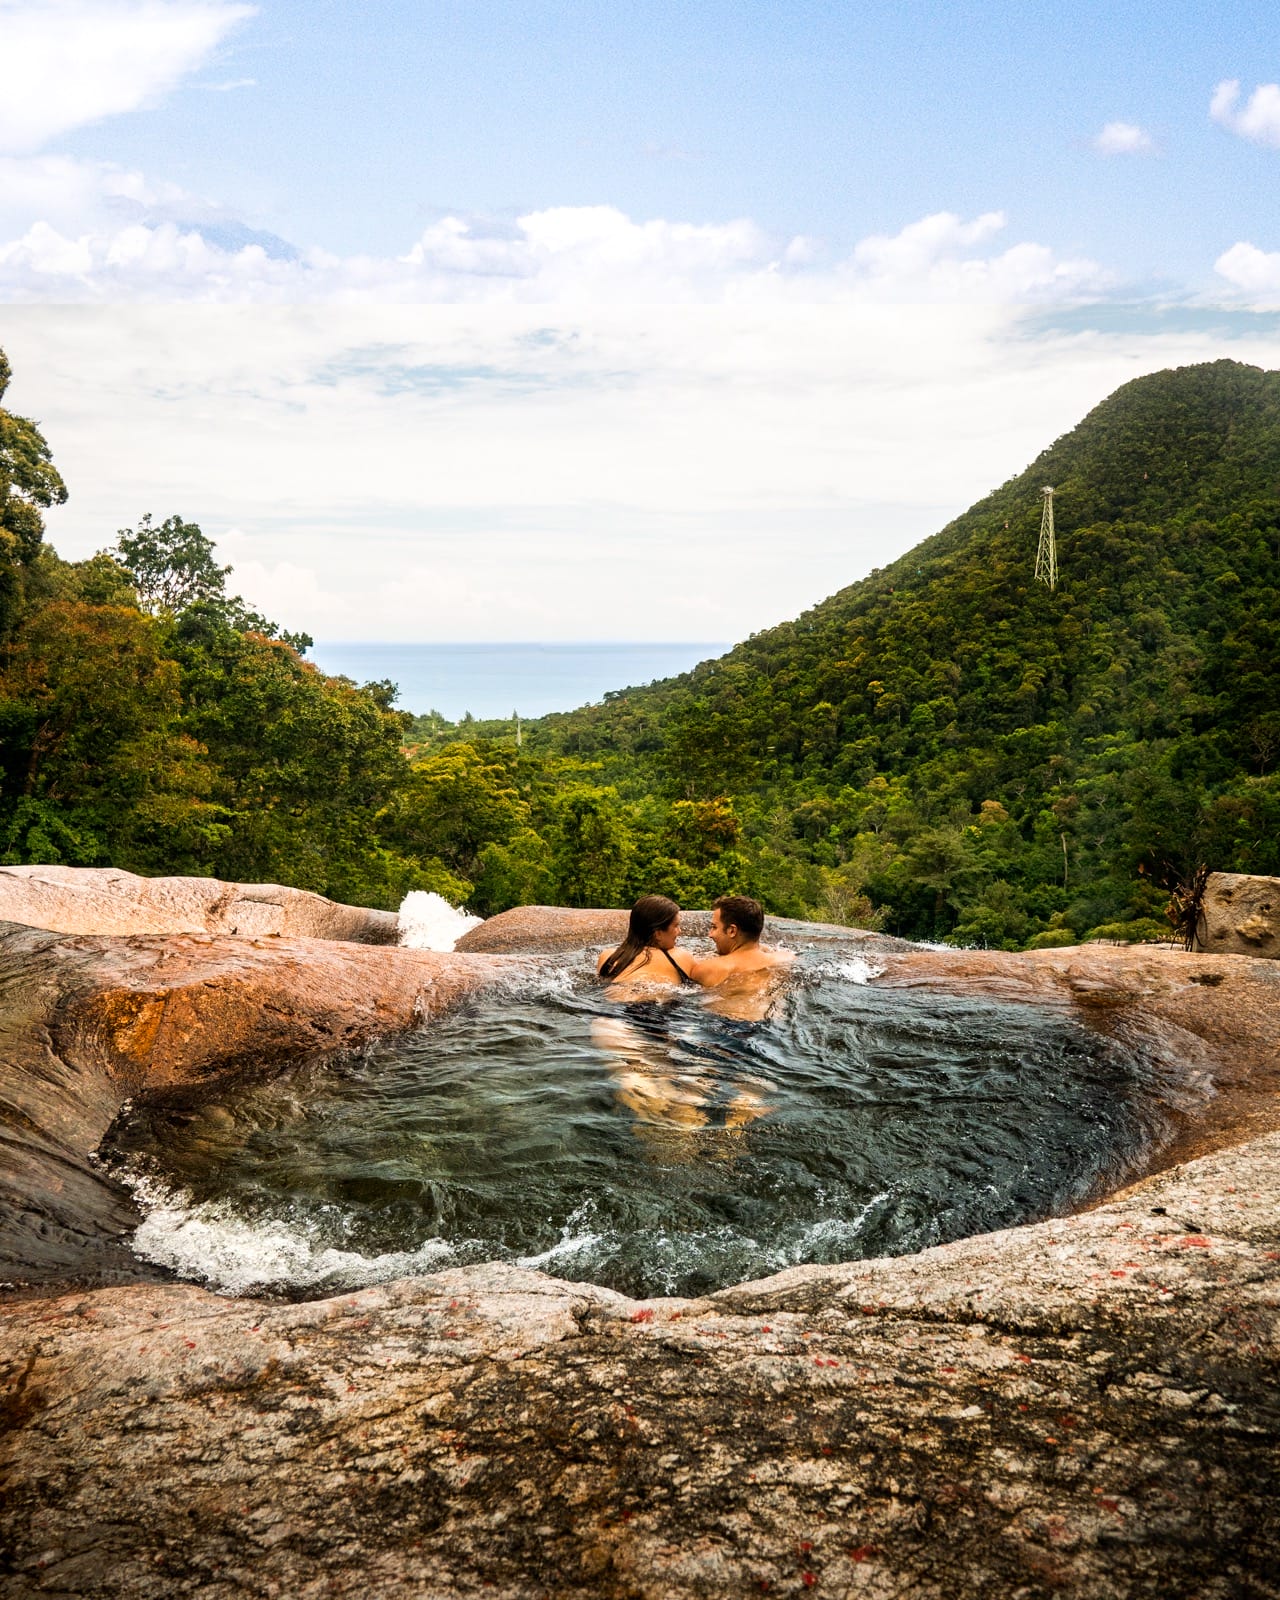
column 493, row 680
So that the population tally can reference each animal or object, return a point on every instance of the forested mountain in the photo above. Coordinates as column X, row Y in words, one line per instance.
column 947, row 748
column 981, row 756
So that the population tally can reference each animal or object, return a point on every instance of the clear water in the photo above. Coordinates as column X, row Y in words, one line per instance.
column 656, row 1149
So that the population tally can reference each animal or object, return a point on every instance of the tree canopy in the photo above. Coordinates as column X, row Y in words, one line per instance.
column 947, row 748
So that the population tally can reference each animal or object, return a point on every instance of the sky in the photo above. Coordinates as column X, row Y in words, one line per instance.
column 536, row 321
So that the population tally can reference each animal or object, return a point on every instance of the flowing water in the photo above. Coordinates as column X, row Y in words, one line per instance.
column 657, row 1148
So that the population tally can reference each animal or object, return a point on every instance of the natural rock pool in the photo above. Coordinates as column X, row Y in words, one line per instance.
column 657, row 1148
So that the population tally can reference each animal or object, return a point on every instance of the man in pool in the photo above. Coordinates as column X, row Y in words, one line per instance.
column 736, row 925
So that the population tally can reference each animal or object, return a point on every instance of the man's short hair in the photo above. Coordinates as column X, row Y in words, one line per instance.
column 741, row 912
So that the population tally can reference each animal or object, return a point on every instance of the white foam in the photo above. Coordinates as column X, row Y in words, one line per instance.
column 207, row 1242
column 852, row 969
column 569, row 1246
column 429, row 922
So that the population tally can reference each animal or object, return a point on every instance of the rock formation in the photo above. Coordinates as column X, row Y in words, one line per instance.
column 102, row 900
column 1083, row 1407
column 541, row 929
column 1086, row 1407
column 1239, row 915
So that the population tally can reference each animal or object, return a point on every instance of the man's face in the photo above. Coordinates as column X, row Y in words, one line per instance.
column 723, row 938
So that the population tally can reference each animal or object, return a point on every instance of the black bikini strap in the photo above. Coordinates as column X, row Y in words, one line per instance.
column 684, row 976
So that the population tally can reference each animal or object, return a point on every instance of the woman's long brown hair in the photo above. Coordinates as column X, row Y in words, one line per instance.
column 650, row 914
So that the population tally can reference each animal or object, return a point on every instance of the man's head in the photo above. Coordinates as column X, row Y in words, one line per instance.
column 736, row 920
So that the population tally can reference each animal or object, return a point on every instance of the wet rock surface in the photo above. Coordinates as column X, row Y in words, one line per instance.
column 1085, row 1407
column 1088, row 1406
column 105, row 900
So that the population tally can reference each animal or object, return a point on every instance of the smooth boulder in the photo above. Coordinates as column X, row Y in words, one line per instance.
column 105, row 900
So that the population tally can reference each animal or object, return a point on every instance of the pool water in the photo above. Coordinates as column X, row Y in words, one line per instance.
column 657, row 1148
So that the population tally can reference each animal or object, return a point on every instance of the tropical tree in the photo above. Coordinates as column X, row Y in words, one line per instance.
column 29, row 484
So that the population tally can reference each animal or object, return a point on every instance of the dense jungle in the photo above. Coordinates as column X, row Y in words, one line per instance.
column 947, row 749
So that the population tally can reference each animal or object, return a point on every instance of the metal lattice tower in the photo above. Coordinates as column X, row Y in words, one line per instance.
column 1047, row 551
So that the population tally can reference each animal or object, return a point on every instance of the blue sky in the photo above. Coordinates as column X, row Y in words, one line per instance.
column 354, row 124
column 470, row 288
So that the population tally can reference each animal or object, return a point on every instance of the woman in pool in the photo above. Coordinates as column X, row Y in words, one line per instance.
column 648, row 954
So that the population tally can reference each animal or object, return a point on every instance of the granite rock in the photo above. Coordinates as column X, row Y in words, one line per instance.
column 1085, row 1407
column 544, row 929
column 105, row 900
column 1240, row 915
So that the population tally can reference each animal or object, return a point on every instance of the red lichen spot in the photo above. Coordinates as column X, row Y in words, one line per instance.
column 1022, row 1408
column 1018, row 1357
column 351, row 1388
column 1117, row 1273
column 1048, row 1440
column 1109, row 1505
column 826, row 1449
column 862, row 1552
column 1271, row 1255
column 643, row 1315
column 190, row 1343
column 1195, row 1241
column 805, row 1546
column 808, row 1579
column 946, row 1369
column 765, row 1328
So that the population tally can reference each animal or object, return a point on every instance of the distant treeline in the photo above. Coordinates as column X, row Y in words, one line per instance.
column 946, row 749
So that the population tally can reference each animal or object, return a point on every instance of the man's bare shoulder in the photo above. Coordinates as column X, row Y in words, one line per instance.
column 711, row 970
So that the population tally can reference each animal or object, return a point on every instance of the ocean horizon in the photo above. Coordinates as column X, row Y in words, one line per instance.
column 498, row 680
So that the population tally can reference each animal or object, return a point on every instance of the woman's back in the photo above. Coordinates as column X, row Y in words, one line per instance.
column 653, row 964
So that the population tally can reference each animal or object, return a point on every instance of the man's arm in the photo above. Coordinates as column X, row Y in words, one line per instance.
column 709, row 971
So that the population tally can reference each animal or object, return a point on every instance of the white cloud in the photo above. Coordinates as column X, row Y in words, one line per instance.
column 489, row 471
column 1248, row 268
column 71, row 62
column 72, row 230
column 1123, row 139
column 1258, row 119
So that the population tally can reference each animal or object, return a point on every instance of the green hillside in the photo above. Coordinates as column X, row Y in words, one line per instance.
column 946, row 749
column 978, row 755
